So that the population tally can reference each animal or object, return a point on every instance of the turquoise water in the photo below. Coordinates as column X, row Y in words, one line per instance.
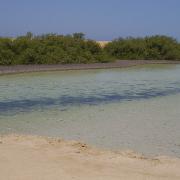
column 134, row 108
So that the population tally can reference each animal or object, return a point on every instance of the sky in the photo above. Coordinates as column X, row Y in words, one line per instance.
column 98, row 19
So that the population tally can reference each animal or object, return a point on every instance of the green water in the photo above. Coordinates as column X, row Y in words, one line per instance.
column 134, row 108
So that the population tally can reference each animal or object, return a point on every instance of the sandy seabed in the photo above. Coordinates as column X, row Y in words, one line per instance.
column 40, row 158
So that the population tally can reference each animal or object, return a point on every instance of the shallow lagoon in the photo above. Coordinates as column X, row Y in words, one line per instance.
column 134, row 108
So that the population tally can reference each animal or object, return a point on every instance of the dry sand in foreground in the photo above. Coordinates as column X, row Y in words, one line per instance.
column 39, row 158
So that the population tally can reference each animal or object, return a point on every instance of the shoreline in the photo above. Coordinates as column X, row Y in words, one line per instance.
column 16, row 69
column 34, row 157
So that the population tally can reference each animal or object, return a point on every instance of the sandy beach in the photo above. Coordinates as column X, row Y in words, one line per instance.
column 24, row 157
column 30, row 157
column 64, row 67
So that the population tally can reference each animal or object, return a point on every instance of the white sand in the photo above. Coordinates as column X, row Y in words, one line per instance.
column 39, row 158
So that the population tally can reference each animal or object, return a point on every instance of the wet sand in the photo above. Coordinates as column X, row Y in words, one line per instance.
column 63, row 67
column 32, row 157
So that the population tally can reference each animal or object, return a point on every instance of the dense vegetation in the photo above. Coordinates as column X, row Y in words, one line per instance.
column 54, row 49
column 154, row 47
column 50, row 49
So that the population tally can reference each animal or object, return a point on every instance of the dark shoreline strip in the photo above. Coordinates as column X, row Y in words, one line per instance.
column 63, row 67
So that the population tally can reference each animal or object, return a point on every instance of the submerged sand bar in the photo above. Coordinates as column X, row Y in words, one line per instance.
column 31, row 157
column 63, row 67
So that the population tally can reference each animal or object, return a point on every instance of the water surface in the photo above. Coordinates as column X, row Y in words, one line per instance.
column 134, row 108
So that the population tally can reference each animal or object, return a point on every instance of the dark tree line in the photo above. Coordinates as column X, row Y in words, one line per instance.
column 154, row 47
column 60, row 49
column 50, row 49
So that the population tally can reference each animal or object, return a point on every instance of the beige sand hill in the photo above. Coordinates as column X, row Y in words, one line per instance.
column 39, row 158
column 103, row 43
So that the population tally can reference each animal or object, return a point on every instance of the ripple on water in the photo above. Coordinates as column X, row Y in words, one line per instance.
column 111, row 108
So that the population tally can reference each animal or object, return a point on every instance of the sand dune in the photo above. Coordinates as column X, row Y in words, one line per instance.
column 103, row 43
column 40, row 158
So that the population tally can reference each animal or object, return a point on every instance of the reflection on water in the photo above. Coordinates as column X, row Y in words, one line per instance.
column 136, row 108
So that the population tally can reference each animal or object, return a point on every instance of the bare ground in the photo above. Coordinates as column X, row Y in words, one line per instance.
column 40, row 158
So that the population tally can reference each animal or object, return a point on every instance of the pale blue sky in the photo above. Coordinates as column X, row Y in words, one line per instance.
column 98, row 19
